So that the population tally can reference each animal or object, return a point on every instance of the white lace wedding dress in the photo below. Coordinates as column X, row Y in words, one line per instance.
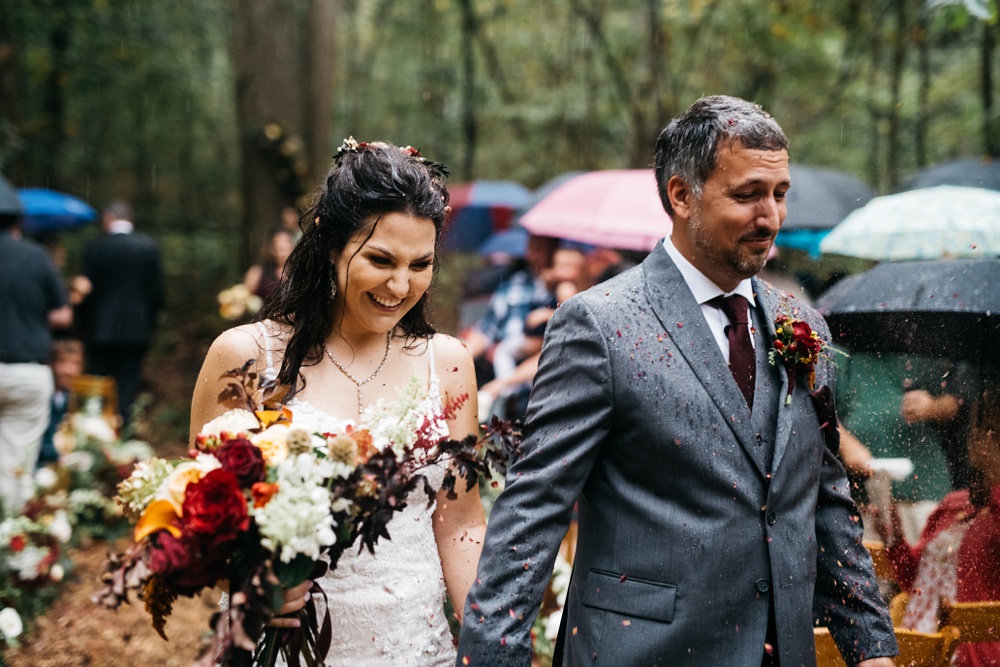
column 387, row 609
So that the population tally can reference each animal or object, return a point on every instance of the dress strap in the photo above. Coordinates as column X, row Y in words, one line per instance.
column 270, row 372
column 433, row 383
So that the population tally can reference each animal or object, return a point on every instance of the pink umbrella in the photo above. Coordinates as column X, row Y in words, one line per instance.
column 617, row 208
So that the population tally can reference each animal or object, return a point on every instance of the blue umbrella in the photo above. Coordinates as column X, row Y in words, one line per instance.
column 51, row 211
column 479, row 209
column 513, row 242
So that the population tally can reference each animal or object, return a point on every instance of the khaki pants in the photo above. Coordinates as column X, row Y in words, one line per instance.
column 25, row 402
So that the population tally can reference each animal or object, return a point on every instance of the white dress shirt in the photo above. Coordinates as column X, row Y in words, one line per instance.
column 704, row 290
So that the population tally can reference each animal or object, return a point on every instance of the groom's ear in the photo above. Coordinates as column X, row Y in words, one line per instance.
column 680, row 197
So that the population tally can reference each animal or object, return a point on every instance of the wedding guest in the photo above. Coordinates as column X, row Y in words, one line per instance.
column 33, row 303
column 119, row 314
column 264, row 278
column 715, row 521
column 519, row 293
column 67, row 365
column 351, row 330
column 958, row 554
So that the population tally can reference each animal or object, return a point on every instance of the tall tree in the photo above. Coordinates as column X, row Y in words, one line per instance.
column 284, row 58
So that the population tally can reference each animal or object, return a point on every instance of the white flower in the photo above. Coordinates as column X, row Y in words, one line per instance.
column 46, row 478
column 552, row 622
column 60, row 527
column 25, row 563
column 130, row 451
column 297, row 519
column 10, row 623
column 56, row 572
column 232, row 422
column 80, row 460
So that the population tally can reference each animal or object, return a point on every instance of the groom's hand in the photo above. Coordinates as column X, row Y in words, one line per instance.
column 878, row 662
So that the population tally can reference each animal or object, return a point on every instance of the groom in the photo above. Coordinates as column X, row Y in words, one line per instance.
column 715, row 521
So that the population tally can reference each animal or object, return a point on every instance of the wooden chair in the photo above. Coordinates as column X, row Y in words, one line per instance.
column 883, row 571
column 95, row 386
column 897, row 608
column 919, row 649
column 916, row 649
column 977, row 621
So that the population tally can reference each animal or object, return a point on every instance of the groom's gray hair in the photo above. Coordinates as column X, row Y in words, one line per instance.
column 688, row 146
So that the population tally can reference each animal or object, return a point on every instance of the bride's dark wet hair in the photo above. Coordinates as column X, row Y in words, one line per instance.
column 366, row 181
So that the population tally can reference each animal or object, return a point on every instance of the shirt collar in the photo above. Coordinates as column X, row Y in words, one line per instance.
column 701, row 286
column 120, row 227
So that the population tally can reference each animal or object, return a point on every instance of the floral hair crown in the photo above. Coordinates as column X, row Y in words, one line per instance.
column 350, row 145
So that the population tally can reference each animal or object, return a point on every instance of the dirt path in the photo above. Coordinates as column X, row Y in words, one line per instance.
column 76, row 632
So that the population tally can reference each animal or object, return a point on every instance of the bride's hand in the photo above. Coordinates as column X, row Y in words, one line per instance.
column 295, row 599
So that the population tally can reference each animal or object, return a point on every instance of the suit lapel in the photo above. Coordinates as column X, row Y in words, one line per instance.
column 770, row 301
column 682, row 319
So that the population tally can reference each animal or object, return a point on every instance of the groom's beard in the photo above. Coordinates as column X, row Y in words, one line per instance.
column 743, row 265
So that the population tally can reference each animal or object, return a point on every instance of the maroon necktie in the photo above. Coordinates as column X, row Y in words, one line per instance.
column 742, row 361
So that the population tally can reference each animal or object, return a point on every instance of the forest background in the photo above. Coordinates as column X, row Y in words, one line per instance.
column 211, row 115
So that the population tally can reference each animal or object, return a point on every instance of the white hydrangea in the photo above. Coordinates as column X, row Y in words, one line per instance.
column 80, row 459
column 17, row 525
column 60, row 527
column 25, row 562
column 45, row 478
column 10, row 623
column 297, row 518
column 94, row 427
column 129, row 451
column 232, row 422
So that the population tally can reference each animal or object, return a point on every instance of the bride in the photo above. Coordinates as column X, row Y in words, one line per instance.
column 346, row 329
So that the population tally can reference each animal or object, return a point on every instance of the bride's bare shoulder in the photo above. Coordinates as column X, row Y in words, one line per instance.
column 234, row 347
column 454, row 362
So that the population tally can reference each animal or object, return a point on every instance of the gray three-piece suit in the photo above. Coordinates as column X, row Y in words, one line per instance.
column 694, row 515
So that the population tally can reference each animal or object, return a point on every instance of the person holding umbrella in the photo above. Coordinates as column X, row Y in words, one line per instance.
column 34, row 303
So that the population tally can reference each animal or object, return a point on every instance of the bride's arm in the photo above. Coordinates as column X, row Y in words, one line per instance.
column 230, row 350
column 459, row 525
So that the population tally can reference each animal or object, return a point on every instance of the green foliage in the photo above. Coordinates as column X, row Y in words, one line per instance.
column 138, row 100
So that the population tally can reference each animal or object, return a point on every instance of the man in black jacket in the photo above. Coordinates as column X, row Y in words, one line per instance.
column 119, row 315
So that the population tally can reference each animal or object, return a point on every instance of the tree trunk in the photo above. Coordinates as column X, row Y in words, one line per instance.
column 270, row 111
column 899, row 45
column 924, row 111
column 322, row 24
column 991, row 131
column 469, row 125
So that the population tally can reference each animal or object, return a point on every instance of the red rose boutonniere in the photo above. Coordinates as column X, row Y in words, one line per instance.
column 798, row 347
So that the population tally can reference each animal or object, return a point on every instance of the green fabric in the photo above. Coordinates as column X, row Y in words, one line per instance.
column 871, row 387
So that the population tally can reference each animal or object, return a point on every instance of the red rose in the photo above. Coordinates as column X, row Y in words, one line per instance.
column 170, row 554
column 184, row 564
column 17, row 543
column 214, row 507
column 801, row 330
column 242, row 458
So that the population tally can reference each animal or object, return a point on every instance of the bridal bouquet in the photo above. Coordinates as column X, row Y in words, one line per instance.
column 266, row 502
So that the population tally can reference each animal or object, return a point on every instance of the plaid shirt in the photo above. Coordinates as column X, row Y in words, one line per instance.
column 510, row 304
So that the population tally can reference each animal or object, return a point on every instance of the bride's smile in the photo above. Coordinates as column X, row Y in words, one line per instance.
column 382, row 275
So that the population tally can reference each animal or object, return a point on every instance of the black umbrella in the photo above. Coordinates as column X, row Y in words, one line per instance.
column 820, row 198
column 943, row 308
column 10, row 203
column 968, row 172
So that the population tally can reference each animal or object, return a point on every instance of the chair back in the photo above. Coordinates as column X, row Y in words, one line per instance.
column 880, row 559
column 916, row 649
column 977, row 621
column 920, row 649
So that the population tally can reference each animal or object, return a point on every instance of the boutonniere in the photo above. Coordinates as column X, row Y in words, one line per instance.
column 799, row 348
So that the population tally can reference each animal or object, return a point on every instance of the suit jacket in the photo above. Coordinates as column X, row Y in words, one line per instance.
column 691, row 520
column 128, row 292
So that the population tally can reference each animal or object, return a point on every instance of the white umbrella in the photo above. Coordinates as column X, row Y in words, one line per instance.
column 930, row 223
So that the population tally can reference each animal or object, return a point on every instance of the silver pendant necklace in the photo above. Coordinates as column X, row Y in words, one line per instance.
column 360, row 383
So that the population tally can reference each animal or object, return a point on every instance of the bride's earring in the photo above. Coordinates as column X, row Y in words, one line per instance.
column 333, row 282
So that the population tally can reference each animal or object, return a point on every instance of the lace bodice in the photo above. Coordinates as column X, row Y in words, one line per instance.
column 387, row 609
